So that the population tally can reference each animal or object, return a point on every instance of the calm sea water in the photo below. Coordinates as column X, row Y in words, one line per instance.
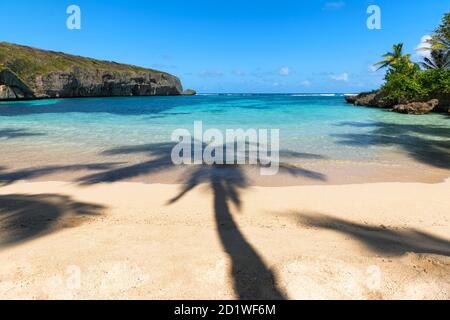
column 51, row 130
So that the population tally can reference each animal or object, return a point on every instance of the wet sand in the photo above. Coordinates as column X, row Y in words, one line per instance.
column 151, row 170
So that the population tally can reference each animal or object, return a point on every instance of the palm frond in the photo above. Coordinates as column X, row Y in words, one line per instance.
column 439, row 59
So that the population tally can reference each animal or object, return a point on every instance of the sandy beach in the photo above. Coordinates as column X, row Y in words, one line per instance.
column 127, row 240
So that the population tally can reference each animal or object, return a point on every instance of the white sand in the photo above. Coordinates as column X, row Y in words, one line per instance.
column 368, row 241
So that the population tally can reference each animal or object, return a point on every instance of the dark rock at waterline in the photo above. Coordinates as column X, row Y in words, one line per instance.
column 29, row 73
column 377, row 99
column 189, row 92
column 369, row 99
column 416, row 107
column 444, row 103
column 351, row 99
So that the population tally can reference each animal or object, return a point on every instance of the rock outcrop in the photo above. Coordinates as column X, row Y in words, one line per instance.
column 370, row 99
column 189, row 92
column 416, row 107
column 28, row 73
column 378, row 100
column 6, row 93
column 12, row 87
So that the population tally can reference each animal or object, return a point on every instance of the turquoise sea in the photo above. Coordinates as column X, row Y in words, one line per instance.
column 45, row 132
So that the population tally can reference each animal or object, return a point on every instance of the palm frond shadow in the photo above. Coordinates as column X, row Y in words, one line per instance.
column 428, row 144
column 160, row 160
column 9, row 177
column 382, row 240
column 158, row 153
column 17, row 133
column 26, row 217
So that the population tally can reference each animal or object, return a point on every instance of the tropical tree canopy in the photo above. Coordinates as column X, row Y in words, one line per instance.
column 406, row 81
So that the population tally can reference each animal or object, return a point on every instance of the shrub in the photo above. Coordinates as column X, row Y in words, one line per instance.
column 435, row 81
column 402, row 87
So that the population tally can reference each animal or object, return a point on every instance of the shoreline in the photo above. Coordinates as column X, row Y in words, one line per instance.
column 5, row 101
column 320, row 172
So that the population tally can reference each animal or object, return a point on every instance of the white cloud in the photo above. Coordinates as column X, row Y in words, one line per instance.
column 305, row 83
column 336, row 5
column 239, row 73
column 284, row 71
column 211, row 73
column 340, row 77
column 423, row 46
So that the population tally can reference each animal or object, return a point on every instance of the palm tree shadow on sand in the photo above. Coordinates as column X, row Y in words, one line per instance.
column 27, row 217
column 12, row 133
column 382, row 240
column 252, row 279
column 428, row 144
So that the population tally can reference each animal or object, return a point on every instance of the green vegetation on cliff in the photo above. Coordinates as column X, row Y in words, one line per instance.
column 29, row 62
column 29, row 73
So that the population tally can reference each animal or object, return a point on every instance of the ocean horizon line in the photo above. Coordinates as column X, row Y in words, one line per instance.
column 277, row 94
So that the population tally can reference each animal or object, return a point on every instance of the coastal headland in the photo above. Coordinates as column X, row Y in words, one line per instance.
column 30, row 73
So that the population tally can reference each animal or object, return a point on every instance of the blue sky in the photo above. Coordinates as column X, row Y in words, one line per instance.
column 231, row 45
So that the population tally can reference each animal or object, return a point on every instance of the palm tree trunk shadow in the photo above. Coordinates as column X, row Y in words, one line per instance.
column 252, row 279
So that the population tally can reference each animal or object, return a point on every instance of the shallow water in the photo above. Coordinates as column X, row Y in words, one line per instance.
column 36, row 133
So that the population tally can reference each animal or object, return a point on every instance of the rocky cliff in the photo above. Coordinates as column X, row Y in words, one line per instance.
column 29, row 73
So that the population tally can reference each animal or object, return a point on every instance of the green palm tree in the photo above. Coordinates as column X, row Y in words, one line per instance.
column 439, row 59
column 391, row 59
column 439, row 43
column 441, row 37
